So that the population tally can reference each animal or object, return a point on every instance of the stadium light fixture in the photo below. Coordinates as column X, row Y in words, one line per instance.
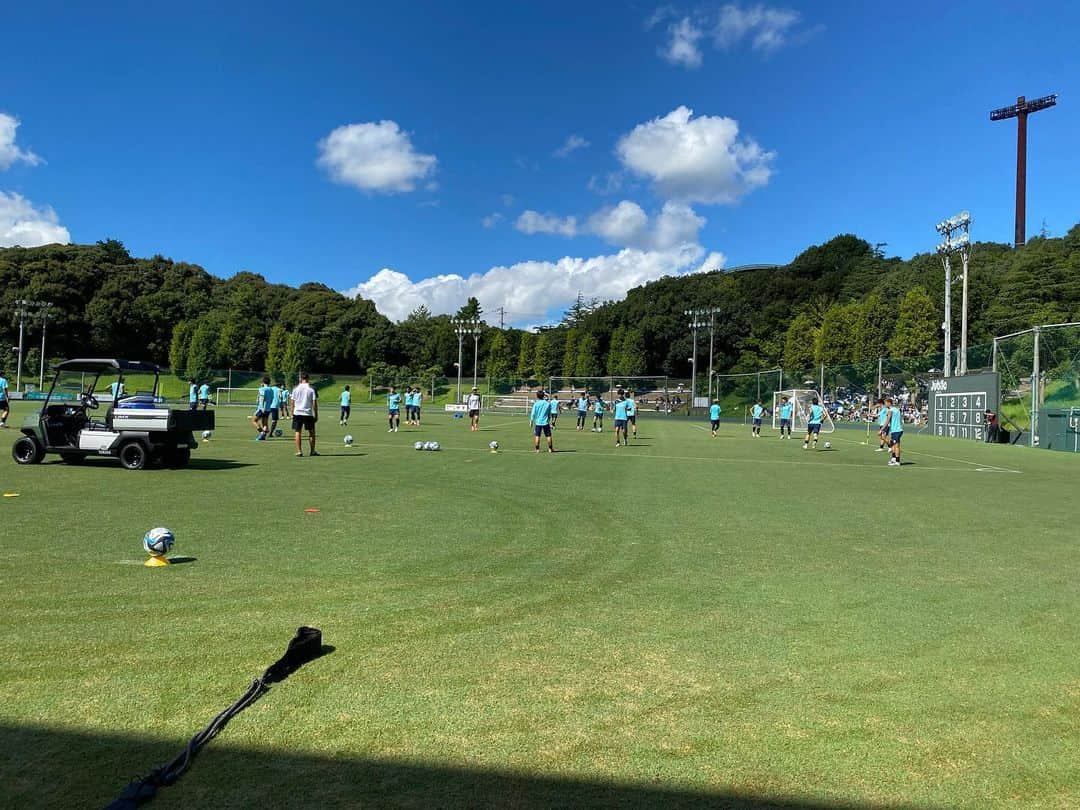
column 957, row 239
column 1020, row 111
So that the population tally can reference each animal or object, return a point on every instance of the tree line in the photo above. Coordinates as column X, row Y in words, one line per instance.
column 841, row 301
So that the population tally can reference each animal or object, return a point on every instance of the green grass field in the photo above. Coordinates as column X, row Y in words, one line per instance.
column 684, row 622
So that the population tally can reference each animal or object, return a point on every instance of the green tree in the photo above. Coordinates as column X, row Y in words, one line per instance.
column 545, row 355
column 179, row 346
column 837, row 339
column 588, row 357
column 875, row 326
column 526, row 354
column 917, row 325
column 499, row 359
column 569, row 358
column 634, row 360
column 297, row 355
column 202, row 354
column 275, row 350
column 470, row 310
column 799, row 344
column 615, row 351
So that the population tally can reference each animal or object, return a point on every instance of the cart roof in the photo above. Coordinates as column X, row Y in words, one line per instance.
column 99, row 364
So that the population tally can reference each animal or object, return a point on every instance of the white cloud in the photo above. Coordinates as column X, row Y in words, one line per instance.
column 10, row 153
column 766, row 27
column 714, row 261
column 627, row 224
column 531, row 222
column 610, row 183
column 491, row 220
column 23, row 224
column 681, row 47
column 573, row 143
column 374, row 157
column 695, row 159
column 530, row 290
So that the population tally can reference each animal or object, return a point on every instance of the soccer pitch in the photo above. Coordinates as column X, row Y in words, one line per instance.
column 683, row 622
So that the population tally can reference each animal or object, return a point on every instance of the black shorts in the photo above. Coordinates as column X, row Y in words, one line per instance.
column 300, row 423
column 544, row 429
column 715, row 424
column 632, row 419
column 813, row 429
column 346, row 410
column 274, row 414
column 473, row 414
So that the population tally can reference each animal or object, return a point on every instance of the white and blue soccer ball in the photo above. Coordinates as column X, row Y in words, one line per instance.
column 828, row 445
column 157, row 542
column 348, row 438
column 434, row 446
column 419, row 446
column 493, row 445
column 206, row 434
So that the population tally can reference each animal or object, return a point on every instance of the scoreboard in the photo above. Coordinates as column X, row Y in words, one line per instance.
column 957, row 405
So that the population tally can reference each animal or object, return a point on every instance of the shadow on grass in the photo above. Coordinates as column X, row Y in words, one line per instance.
column 181, row 560
column 44, row 767
column 216, row 464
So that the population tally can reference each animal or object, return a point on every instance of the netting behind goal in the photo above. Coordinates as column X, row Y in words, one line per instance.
column 507, row 404
column 236, row 396
column 801, row 400
column 641, row 386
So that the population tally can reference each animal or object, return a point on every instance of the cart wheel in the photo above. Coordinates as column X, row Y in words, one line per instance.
column 133, row 455
column 73, row 458
column 27, row 450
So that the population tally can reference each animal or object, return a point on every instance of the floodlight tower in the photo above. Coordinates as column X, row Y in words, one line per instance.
column 28, row 309
column 1020, row 111
column 955, row 231
column 700, row 319
column 463, row 327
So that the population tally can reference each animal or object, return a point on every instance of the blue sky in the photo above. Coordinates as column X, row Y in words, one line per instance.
column 418, row 153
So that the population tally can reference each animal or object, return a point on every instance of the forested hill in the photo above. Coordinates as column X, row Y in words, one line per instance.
column 842, row 301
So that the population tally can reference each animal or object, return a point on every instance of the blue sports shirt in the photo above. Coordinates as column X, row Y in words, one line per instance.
column 896, row 424
column 541, row 412
column 757, row 411
column 714, row 413
column 620, row 409
column 785, row 410
column 599, row 406
column 583, row 404
column 393, row 402
column 817, row 413
column 346, row 398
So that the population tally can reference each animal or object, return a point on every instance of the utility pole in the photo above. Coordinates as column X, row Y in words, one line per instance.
column 502, row 317
column 44, row 323
column 1020, row 111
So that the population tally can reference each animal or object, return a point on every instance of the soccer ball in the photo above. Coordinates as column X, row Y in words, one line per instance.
column 278, row 433
column 434, row 446
column 157, row 542
column 206, row 434
column 418, row 446
column 828, row 445
column 348, row 438
column 493, row 445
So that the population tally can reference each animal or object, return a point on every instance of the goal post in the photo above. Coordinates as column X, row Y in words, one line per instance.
column 801, row 400
column 506, row 404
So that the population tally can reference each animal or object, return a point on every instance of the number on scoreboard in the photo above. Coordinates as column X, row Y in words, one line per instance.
column 960, row 416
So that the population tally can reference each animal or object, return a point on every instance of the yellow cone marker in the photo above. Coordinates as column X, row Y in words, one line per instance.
column 154, row 562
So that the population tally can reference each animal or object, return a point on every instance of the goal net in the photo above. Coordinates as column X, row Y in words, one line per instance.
column 236, row 396
column 507, row 404
column 801, row 400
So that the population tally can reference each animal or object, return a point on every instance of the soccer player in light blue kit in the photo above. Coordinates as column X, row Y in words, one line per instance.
column 631, row 413
column 393, row 409
column 346, row 406
column 582, row 409
column 5, row 409
column 714, row 416
column 786, row 407
column 882, row 426
column 204, row 395
column 620, row 417
column 896, row 431
column 756, row 413
column 598, row 414
column 813, row 423
column 267, row 399
column 193, row 394
column 540, row 419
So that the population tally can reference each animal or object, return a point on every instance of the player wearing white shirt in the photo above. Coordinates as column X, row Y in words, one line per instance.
column 472, row 403
column 305, row 410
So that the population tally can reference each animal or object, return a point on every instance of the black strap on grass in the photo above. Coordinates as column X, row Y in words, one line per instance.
column 305, row 646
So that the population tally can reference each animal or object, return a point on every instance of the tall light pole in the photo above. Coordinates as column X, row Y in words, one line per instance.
column 1020, row 111
column 956, row 231
column 27, row 308
column 44, row 323
column 704, row 318
column 463, row 327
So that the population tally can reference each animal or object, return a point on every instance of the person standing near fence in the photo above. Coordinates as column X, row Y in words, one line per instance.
column 786, row 407
column 418, row 400
column 204, row 395
column 553, row 400
column 598, row 414
column 193, row 395
column 714, row 416
column 283, row 398
column 619, row 407
column 631, row 413
column 882, row 426
column 393, row 409
column 756, row 413
column 582, row 409
column 346, row 406
column 896, row 431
